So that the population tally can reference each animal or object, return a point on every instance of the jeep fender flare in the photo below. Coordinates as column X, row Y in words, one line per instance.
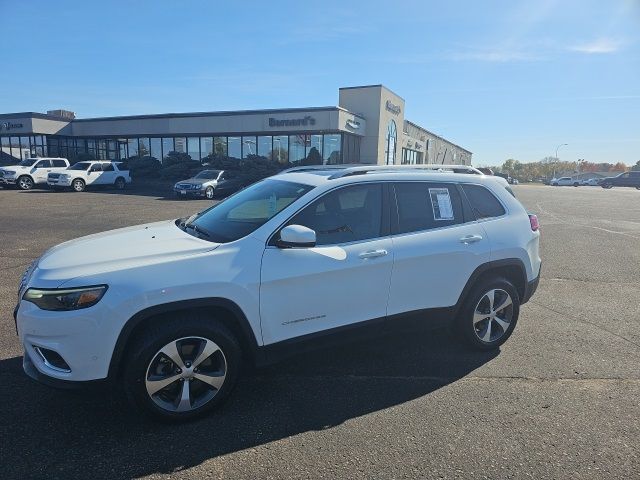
column 213, row 302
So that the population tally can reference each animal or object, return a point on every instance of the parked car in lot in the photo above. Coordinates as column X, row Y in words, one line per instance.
column 564, row 182
column 626, row 179
column 31, row 171
column 590, row 182
column 89, row 174
column 209, row 183
column 171, row 310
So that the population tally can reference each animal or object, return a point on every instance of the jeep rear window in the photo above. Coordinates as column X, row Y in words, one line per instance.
column 247, row 210
column 483, row 202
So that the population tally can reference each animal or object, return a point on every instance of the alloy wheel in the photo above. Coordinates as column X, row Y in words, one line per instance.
column 78, row 185
column 209, row 193
column 185, row 374
column 25, row 183
column 493, row 315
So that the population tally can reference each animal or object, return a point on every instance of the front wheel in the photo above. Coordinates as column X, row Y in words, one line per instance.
column 78, row 185
column 208, row 193
column 182, row 367
column 576, row 184
column 25, row 182
column 489, row 314
column 607, row 186
column 120, row 183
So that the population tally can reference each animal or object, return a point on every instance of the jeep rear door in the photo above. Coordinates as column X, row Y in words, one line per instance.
column 343, row 280
column 436, row 243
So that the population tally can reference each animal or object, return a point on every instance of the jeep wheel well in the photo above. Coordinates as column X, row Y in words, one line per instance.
column 139, row 323
column 511, row 270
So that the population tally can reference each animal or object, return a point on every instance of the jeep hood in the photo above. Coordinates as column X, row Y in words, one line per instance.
column 119, row 249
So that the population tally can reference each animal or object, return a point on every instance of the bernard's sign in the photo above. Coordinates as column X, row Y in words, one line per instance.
column 293, row 122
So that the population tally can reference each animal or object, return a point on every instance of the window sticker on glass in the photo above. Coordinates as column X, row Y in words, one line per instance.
column 441, row 204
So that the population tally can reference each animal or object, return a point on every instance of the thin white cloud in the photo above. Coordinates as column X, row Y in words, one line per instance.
column 598, row 46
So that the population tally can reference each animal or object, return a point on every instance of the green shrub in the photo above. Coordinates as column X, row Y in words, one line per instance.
column 180, row 171
column 143, row 167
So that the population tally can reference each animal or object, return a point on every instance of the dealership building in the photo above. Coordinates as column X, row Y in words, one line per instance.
column 368, row 126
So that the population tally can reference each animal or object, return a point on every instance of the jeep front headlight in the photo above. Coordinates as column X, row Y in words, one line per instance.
column 60, row 299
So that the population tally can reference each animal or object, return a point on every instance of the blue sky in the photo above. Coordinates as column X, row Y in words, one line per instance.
column 505, row 79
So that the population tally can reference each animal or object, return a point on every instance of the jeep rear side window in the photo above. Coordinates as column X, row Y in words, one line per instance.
column 418, row 207
column 483, row 203
column 59, row 163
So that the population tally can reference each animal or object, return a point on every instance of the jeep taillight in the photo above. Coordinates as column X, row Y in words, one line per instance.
column 535, row 224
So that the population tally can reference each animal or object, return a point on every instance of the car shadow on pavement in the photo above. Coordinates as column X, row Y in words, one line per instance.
column 61, row 434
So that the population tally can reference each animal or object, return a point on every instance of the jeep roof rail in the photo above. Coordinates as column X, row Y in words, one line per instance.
column 364, row 169
column 345, row 170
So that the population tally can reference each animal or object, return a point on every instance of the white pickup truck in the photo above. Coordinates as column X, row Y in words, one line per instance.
column 94, row 173
column 32, row 171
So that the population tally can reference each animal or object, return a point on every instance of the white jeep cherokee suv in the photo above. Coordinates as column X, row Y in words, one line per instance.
column 93, row 173
column 171, row 309
column 31, row 171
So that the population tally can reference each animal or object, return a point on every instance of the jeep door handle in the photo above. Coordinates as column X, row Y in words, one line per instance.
column 373, row 254
column 470, row 239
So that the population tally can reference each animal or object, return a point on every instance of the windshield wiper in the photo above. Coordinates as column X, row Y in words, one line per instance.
column 197, row 229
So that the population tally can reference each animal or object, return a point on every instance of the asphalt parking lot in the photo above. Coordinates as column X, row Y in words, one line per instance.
column 559, row 400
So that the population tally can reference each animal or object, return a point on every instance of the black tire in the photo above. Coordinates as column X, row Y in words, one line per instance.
column 607, row 186
column 182, row 326
column 467, row 330
column 78, row 185
column 120, row 183
column 24, row 182
column 576, row 184
column 209, row 192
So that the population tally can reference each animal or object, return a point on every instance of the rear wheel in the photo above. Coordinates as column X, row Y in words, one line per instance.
column 78, row 185
column 25, row 182
column 576, row 184
column 489, row 314
column 607, row 185
column 183, row 367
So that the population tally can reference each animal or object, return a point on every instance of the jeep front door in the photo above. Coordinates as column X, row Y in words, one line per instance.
column 341, row 281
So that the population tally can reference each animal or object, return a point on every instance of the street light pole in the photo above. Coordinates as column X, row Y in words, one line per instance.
column 556, row 157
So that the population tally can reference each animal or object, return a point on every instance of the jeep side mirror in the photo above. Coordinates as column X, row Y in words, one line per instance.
column 296, row 236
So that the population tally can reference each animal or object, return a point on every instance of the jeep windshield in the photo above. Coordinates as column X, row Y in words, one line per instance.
column 244, row 212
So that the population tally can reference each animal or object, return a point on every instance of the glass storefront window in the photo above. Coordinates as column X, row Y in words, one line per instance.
column 180, row 144
column 297, row 148
column 332, row 149
column 280, row 152
column 167, row 146
column 350, row 149
column 315, row 142
column 81, row 145
column 206, row 146
column 193, row 148
column 390, row 150
column 220, row 146
column 265, row 145
column 143, row 147
column 235, row 149
column 155, row 150
column 248, row 146
column 133, row 147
